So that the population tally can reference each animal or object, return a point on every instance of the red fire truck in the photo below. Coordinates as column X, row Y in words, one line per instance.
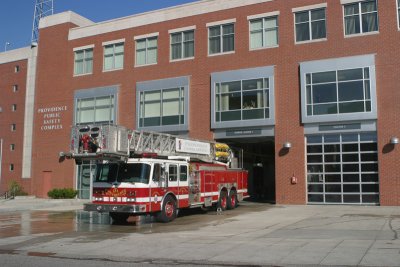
column 140, row 172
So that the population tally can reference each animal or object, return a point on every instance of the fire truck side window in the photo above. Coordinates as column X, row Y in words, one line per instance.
column 183, row 173
column 173, row 173
column 157, row 172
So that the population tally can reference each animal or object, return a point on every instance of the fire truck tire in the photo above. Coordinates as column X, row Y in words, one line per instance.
column 232, row 200
column 168, row 211
column 223, row 200
column 119, row 217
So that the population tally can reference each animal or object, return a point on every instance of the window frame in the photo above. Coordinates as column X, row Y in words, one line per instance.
column 182, row 44
column 96, row 93
column 263, row 30
column 360, row 15
column 146, row 38
column 114, row 54
column 309, row 22
column 159, row 86
column 84, row 60
column 266, row 72
column 220, row 36
column 398, row 14
column 353, row 62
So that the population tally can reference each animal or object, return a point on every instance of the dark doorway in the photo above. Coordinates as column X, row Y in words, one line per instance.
column 258, row 157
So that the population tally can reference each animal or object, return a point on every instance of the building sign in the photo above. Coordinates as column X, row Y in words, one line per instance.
column 52, row 117
column 340, row 127
column 243, row 132
column 193, row 147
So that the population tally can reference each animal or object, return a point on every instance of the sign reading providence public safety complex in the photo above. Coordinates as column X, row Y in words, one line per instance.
column 51, row 117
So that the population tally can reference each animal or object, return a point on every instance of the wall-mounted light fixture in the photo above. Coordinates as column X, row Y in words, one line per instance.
column 287, row 145
column 394, row 140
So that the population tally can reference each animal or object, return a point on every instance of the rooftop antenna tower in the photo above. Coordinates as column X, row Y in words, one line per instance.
column 43, row 8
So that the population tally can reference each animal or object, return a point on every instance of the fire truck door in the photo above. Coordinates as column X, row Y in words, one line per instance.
column 177, row 180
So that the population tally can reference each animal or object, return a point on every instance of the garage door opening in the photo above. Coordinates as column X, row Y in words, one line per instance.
column 257, row 156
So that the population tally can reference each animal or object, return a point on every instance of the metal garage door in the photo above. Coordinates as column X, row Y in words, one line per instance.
column 342, row 169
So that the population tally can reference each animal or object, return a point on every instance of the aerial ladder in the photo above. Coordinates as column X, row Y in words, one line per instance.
column 118, row 143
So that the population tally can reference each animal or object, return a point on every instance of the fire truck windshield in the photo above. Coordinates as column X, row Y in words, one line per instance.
column 128, row 173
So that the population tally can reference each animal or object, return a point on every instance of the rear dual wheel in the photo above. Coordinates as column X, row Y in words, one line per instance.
column 232, row 200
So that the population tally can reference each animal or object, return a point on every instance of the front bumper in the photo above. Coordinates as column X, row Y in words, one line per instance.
column 132, row 209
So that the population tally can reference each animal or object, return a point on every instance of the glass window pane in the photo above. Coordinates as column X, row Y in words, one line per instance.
column 149, row 96
column 302, row 17
column 141, row 57
column 214, row 31
column 170, row 108
column 152, row 110
column 119, row 61
column 324, row 93
column 318, row 29
column 189, row 49
column 302, row 32
column 348, row 75
column 325, row 109
column 228, row 43
column 318, row 14
column 108, row 62
column 228, row 29
column 370, row 22
column 176, row 38
column 215, row 46
column 349, row 91
column 271, row 22
column 256, row 25
column 152, row 56
column 103, row 114
column 256, row 39
column 271, row 37
column 324, row 77
column 352, row 25
column 176, row 51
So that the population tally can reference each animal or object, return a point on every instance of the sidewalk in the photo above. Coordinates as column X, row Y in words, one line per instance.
column 33, row 203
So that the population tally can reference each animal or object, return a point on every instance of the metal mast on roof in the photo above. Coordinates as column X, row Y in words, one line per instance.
column 43, row 8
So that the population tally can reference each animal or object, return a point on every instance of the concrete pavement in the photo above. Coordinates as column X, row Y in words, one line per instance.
column 272, row 235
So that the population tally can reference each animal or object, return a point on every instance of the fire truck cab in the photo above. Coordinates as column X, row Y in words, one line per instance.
column 156, row 174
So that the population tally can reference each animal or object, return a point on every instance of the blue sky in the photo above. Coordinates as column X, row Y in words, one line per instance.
column 16, row 16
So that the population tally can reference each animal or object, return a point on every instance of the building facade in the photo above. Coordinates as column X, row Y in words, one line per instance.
column 305, row 91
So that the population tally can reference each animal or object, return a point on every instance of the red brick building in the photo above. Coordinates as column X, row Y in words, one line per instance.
column 306, row 89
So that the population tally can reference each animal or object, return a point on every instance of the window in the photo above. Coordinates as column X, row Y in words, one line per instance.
column 99, row 109
column 12, row 147
column 310, row 25
column 221, row 39
column 11, row 167
column 15, row 88
column 146, row 51
column 173, row 173
column 183, row 173
column 83, row 61
column 182, row 45
column 339, row 89
column 13, row 127
column 361, row 17
column 338, row 92
column 264, row 32
column 14, row 107
column 162, row 107
column 242, row 100
column 398, row 13
column 16, row 68
column 113, row 56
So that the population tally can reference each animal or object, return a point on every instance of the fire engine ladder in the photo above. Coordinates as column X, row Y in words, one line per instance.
column 164, row 145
